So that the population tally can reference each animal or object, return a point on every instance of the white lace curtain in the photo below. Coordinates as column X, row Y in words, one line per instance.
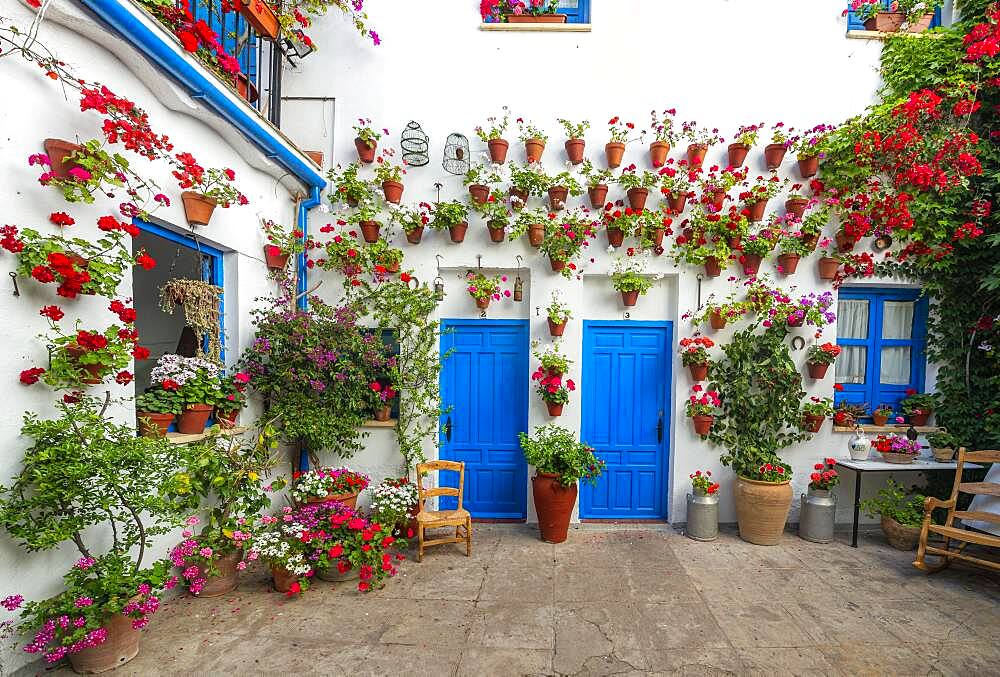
column 852, row 323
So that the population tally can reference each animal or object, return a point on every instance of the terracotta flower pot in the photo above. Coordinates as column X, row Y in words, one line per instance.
column 717, row 198
column 657, row 238
column 774, row 154
column 58, row 150
column 597, row 194
column 712, row 267
column 789, row 263
column 533, row 149
column 629, row 298
column 808, row 166
column 737, row 154
column 614, row 152
column 522, row 198
column 557, row 328
column 676, row 203
column 557, row 197
column 751, row 264
column 845, row 242
column 193, row 419
column 796, row 206
column 757, row 210
column 226, row 580
column 479, row 193
column 259, row 15
column 198, row 208
column 899, row 536
column 227, row 418
column 369, row 231
column 274, row 259
column 615, row 237
column 702, row 424
column 810, row 241
column 366, row 152
column 247, row 90
column 696, row 154
column 828, row 268
column 414, row 236
column 383, row 414
column 717, row 321
column 498, row 150
column 699, row 372
column 812, row 422
column 536, row 234
column 497, row 233
column 483, row 303
column 350, row 499
column 637, row 198
column 842, row 419
column 536, row 19
column 554, row 409
column 282, row 578
column 153, row 425
column 554, row 504
column 878, row 419
column 919, row 419
column 556, row 265
column 393, row 191
column 391, row 267
column 457, row 232
column 762, row 510
column 93, row 372
column 316, row 156
column 658, row 151
column 735, row 242
column 817, row 370
column 574, row 150
column 892, row 22
column 120, row 646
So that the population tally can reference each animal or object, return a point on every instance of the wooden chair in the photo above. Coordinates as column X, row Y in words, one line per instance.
column 950, row 532
column 433, row 519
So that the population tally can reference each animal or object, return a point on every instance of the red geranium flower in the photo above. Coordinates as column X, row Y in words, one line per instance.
column 30, row 376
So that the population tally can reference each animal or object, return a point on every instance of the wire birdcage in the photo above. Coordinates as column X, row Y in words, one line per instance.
column 415, row 144
column 456, row 154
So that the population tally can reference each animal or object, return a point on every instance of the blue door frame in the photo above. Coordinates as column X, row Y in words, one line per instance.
column 484, row 382
column 626, row 416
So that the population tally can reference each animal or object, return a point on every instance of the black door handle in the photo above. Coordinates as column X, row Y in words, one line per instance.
column 659, row 429
column 447, row 429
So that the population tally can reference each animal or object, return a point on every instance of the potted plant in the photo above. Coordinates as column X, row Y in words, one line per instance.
column 575, row 143
column 558, row 315
column 282, row 244
column 212, row 188
column 663, row 136
column 756, row 197
column 533, row 222
column 911, row 16
column 549, row 375
column 386, row 395
column 819, row 505
column 319, row 485
column 881, row 414
column 676, row 183
column 366, row 140
column 755, row 248
column 637, row 185
column 526, row 180
column 565, row 238
column 389, row 176
column 452, row 215
column 918, row 407
column 597, row 183
column 232, row 399
column 792, row 248
column 347, row 187
column 561, row 186
column 155, row 410
column 820, row 357
column 795, row 202
column 496, row 215
column 715, row 185
column 702, row 407
column 808, row 148
column 197, row 383
column 614, row 150
column 342, row 544
column 699, row 139
column 394, row 505
column 815, row 412
column 829, row 263
column 413, row 221
column 560, row 462
column 484, row 288
column 365, row 217
column 85, row 357
column 896, row 449
column 694, row 356
column 279, row 542
column 711, row 252
column 703, row 507
column 537, row 11
column 534, row 140
column 628, row 277
column 479, row 180
column 943, row 445
column 384, row 259
column 746, row 138
column 775, row 151
column 259, row 14
column 901, row 514
column 492, row 136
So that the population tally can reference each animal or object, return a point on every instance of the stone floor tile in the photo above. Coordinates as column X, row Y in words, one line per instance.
column 785, row 662
column 858, row 658
column 834, row 620
column 429, row 623
column 759, row 624
column 503, row 625
column 478, row 661
column 960, row 659
column 515, row 582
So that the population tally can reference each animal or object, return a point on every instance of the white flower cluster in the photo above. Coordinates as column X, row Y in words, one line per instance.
column 273, row 546
column 395, row 499
column 181, row 369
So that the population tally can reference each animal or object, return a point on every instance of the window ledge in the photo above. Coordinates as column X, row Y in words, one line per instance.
column 181, row 438
column 535, row 28
column 391, row 423
column 879, row 35
column 902, row 428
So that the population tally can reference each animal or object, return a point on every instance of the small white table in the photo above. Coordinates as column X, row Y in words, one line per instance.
column 874, row 465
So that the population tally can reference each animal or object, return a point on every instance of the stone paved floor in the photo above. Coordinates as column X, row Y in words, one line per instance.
column 623, row 600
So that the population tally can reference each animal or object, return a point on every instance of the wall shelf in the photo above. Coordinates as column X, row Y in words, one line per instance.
column 391, row 423
column 535, row 28
column 181, row 438
column 901, row 428
column 879, row 35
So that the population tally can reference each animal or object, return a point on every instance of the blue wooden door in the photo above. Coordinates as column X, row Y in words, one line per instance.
column 626, row 375
column 485, row 382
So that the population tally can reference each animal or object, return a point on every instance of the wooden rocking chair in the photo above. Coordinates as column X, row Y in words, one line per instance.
column 459, row 518
column 961, row 536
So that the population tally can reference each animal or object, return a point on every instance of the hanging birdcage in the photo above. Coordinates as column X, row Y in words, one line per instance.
column 414, row 143
column 456, row 154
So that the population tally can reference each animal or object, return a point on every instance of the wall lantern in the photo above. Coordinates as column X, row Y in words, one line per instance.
column 518, row 283
column 438, row 281
column 296, row 44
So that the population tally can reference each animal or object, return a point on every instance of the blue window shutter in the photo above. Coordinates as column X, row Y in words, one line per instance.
column 576, row 11
column 855, row 24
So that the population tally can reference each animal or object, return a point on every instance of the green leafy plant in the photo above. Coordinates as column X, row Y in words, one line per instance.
column 448, row 214
column 287, row 241
column 496, row 127
column 85, row 355
column 558, row 311
column 529, row 132
column 156, row 400
column 894, row 503
column 552, row 359
column 368, row 134
column 567, row 181
column 529, row 178
column 347, row 187
column 918, row 403
column 555, row 451
column 385, row 169
column 594, row 176
column 818, row 406
column 629, row 274
column 574, row 130
column 566, row 236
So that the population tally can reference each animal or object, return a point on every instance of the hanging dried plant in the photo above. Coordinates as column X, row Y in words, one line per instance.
column 200, row 301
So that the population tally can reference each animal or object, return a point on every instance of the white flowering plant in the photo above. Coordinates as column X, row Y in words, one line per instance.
column 283, row 542
column 322, row 482
column 196, row 380
column 392, row 501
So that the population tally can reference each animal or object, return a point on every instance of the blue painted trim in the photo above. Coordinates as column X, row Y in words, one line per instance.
column 200, row 84
column 660, row 324
column 302, row 276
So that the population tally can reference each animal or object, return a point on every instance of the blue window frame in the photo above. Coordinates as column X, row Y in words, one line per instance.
column 855, row 24
column 882, row 333
column 576, row 11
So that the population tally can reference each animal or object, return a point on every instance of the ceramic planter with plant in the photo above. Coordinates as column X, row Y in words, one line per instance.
column 815, row 412
column 731, row 224
column 943, row 445
column 481, row 180
column 796, row 202
column 908, row 16
column 200, row 302
column 485, row 288
column 557, row 314
column 774, row 152
column 85, row 357
column 553, row 389
column 282, row 244
column 566, row 236
column 328, row 484
column 699, row 139
column 347, row 187
column 197, row 383
column 413, row 221
column 812, row 225
column 596, row 181
column 533, row 223
column 712, row 252
column 495, row 214
column 526, row 181
column 207, row 189
column 702, row 407
column 755, row 196
column 386, row 397
column 621, row 221
column 637, row 185
column 155, row 410
column 918, row 407
column 763, row 501
column 881, row 414
column 279, row 542
column 395, row 504
column 819, row 357
column 755, row 248
column 829, row 262
column 791, row 248
column 383, row 258
column 259, row 15
column 662, row 127
column 560, row 462
column 232, row 399
column 901, row 514
column 492, row 136
column 808, row 148
column 516, row 11
column 694, row 356
column 744, row 140
column 389, row 176
column 452, row 216
column 715, row 186
column 818, row 507
column 676, row 183
column 560, row 188
column 345, row 254
column 533, row 139
column 896, row 449
column 847, row 414
column 366, row 139
column 365, row 217
column 629, row 278
column 619, row 131
column 575, row 143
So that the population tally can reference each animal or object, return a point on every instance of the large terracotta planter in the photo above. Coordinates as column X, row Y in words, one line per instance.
column 630, row 298
column 751, row 264
column 58, row 150
column 699, row 372
column 817, row 370
column 153, row 425
column 536, row 234
column 227, row 578
column 557, row 197
column 899, row 536
column 812, row 423
column 554, row 409
column 556, row 328
column 369, row 231
column 713, row 268
column 574, row 150
column 676, row 203
column 282, row 579
column 533, row 149
column 696, row 154
column 828, row 268
column 808, row 166
column 774, row 154
column 198, row 208
column 498, row 150
column 757, row 210
column 613, row 153
column 702, row 424
column 259, row 15
column 193, row 419
column 415, row 235
column 796, row 206
column 457, row 232
column 789, row 263
column 121, row 646
column 891, row 22
column 554, row 505
column 597, row 194
column 538, row 19
column 658, row 151
column 479, row 193
column 737, row 154
column 350, row 499
column 616, row 236
column 274, row 259
column 393, row 191
column 762, row 509
column 637, row 198
column 366, row 152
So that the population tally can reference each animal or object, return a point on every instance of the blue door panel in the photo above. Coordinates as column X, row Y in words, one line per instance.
column 626, row 376
column 484, row 381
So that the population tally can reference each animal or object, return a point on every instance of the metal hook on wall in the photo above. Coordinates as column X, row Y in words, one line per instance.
column 520, row 261
column 801, row 343
column 479, row 261
column 438, row 185
column 700, row 278
column 13, row 279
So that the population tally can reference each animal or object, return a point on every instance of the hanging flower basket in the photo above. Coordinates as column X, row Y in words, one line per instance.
column 198, row 208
